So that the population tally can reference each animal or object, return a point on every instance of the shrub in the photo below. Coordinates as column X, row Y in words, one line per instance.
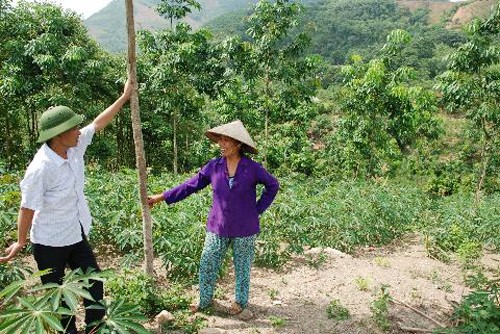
column 137, row 288
column 336, row 311
column 479, row 312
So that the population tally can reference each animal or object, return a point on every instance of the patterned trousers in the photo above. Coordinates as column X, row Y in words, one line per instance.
column 214, row 249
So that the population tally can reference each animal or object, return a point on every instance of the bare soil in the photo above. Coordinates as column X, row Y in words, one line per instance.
column 295, row 300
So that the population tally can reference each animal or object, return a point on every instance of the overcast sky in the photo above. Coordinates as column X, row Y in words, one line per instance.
column 83, row 7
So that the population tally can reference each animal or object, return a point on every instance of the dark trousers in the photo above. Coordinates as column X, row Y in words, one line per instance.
column 75, row 256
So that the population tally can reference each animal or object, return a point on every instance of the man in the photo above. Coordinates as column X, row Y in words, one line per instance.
column 53, row 205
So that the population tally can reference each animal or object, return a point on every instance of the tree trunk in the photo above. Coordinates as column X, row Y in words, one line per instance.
column 175, row 140
column 484, row 161
column 266, row 125
column 8, row 142
column 139, row 143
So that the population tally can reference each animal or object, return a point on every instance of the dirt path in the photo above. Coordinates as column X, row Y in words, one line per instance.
column 296, row 300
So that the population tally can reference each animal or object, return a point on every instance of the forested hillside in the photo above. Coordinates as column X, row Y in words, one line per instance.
column 380, row 120
column 107, row 26
column 330, row 20
column 341, row 28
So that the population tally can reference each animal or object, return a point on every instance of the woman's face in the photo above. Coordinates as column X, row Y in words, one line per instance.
column 228, row 146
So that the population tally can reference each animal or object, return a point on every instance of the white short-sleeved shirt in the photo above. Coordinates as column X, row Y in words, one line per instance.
column 53, row 188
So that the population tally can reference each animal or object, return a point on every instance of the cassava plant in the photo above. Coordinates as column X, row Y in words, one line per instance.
column 28, row 307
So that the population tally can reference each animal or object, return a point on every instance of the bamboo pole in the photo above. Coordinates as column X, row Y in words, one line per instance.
column 139, row 142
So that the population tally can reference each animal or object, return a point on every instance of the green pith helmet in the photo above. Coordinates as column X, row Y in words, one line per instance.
column 55, row 121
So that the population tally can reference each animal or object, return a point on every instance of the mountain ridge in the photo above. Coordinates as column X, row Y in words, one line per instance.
column 108, row 26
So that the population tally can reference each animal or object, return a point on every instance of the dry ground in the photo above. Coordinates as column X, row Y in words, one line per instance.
column 295, row 300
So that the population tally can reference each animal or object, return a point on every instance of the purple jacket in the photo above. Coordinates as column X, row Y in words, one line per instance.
column 235, row 211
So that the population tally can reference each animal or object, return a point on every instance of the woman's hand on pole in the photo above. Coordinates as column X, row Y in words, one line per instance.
column 153, row 199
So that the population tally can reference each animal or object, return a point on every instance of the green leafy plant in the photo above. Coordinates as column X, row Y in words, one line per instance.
column 10, row 272
column 479, row 311
column 186, row 322
column 382, row 262
column 273, row 293
column 138, row 289
column 384, row 113
column 277, row 322
column 120, row 317
column 336, row 311
column 37, row 308
column 362, row 283
column 380, row 309
column 466, row 87
column 269, row 254
column 317, row 260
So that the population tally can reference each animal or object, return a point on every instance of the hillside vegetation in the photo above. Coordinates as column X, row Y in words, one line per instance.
column 225, row 16
column 108, row 25
column 380, row 127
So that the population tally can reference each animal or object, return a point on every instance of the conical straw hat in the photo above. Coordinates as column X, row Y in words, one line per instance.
column 235, row 130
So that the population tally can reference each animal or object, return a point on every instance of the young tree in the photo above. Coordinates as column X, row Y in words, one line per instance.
column 180, row 68
column 176, row 9
column 139, row 143
column 46, row 59
column 272, row 79
column 383, row 111
column 471, row 85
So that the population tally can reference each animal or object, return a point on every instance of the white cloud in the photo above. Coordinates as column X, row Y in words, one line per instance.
column 83, row 7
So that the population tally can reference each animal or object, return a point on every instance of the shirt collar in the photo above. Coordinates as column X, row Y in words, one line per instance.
column 53, row 156
column 244, row 160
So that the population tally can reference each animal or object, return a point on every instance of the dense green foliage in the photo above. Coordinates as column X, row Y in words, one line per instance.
column 346, row 112
column 479, row 311
column 39, row 309
column 314, row 212
column 47, row 59
column 471, row 85
column 359, row 27
column 384, row 111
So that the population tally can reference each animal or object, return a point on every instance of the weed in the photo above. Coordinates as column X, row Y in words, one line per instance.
column 273, row 294
column 316, row 260
column 479, row 312
column 277, row 322
column 415, row 294
column 382, row 262
column 447, row 287
column 336, row 311
column 363, row 284
column 137, row 288
column 380, row 309
column 10, row 272
column 219, row 293
column 186, row 322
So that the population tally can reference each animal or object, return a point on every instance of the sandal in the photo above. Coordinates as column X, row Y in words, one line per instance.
column 195, row 308
column 234, row 309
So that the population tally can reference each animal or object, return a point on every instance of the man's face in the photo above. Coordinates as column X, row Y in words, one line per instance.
column 70, row 138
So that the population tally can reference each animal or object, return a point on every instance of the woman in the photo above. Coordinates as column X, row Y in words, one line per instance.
column 234, row 216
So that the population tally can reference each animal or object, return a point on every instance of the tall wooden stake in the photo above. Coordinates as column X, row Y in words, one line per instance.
column 139, row 142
